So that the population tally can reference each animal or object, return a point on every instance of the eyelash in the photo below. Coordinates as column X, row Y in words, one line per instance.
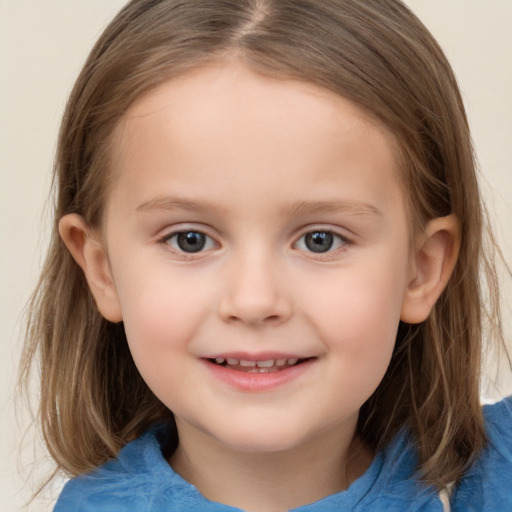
column 339, row 241
column 168, row 240
column 333, row 238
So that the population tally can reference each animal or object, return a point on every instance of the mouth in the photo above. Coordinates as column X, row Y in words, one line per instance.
column 258, row 374
column 253, row 366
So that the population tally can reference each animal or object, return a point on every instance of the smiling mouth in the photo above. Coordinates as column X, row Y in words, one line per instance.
column 269, row 366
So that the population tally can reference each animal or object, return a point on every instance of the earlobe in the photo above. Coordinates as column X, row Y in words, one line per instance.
column 90, row 254
column 432, row 264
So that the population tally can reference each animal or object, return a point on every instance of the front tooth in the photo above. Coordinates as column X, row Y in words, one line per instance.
column 292, row 361
column 247, row 364
column 219, row 360
column 232, row 361
column 266, row 364
column 280, row 362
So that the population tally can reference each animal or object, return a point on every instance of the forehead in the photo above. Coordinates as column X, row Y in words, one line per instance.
column 225, row 122
column 207, row 94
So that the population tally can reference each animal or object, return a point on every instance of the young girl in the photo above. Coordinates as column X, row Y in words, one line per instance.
column 262, row 291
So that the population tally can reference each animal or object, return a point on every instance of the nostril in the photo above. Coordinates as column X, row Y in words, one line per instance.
column 254, row 319
column 253, row 308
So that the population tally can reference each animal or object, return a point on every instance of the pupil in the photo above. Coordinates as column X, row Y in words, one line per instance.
column 191, row 241
column 319, row 241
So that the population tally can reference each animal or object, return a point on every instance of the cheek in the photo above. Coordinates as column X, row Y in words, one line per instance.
column 160, row 312
column 358, row 313
column 359, row 335
column 362, row 302
column 160, row 323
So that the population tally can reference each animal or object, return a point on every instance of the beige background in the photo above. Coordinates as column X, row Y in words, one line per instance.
column 42, row 46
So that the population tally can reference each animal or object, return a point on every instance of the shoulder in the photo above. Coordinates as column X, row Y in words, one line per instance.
column 498, row 421
column 486, row 486
column 138, row 479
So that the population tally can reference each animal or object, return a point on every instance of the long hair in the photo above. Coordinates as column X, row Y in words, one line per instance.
column 375, row 53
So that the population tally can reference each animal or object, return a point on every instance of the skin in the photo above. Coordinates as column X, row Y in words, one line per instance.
column 256, row 163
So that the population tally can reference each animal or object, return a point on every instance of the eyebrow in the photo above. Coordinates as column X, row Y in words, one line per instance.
column 334, row 206
column 172, row 203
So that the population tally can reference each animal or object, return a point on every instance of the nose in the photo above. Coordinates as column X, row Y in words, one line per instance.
column 255, row 292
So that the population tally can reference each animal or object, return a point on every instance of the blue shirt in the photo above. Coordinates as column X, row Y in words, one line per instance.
column 141, row 480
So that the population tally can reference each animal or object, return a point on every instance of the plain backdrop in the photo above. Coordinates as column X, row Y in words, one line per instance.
column 43, row 44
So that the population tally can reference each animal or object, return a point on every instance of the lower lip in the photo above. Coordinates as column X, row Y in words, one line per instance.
column 254, row 382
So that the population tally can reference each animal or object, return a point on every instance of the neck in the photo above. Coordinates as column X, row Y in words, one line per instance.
column 270, row 482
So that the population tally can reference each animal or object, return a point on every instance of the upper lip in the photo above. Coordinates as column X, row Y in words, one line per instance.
column 260, row 356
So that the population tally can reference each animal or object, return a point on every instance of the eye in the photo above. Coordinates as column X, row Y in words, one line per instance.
column 189, row 241
column 320, row 241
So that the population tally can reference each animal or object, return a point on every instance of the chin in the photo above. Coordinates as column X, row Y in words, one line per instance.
column 263, row 439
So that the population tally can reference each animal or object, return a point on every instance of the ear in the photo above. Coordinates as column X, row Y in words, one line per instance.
column 432, row 264
column 89, row 252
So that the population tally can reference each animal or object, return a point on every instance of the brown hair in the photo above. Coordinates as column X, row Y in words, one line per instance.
column 373, row 52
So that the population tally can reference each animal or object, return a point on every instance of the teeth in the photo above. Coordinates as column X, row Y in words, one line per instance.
column 265, row 364
column 257, row 365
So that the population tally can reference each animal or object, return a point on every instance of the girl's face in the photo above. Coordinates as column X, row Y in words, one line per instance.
column 258, row 241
